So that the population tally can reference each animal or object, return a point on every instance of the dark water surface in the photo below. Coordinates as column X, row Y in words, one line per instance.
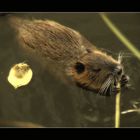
column 49, row 102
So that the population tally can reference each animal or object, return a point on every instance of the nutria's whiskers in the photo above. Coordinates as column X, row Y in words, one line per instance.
column 106, row 85
column 120, row 56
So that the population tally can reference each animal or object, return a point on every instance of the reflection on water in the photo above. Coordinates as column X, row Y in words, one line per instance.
column 49, row 102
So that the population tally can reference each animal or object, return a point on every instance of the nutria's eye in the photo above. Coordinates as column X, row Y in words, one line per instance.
column 96, row 70
column 79, row 67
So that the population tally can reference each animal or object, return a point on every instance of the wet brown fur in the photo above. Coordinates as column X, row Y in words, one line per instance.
column 62, row 47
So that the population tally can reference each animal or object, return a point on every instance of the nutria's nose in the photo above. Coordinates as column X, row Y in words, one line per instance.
column 119, row 70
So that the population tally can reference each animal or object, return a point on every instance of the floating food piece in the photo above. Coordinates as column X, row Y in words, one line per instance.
column 20, row 75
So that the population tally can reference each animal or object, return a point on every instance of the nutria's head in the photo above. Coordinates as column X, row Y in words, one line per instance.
column 98, row 72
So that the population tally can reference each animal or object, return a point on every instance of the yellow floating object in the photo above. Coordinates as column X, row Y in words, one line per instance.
column 20, row 75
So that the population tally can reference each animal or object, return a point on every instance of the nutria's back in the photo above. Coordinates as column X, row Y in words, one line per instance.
column 52, row 40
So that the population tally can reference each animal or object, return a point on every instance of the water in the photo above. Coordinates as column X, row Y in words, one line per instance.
column 49, row 102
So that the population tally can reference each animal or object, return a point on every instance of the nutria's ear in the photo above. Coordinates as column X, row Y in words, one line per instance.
column 79, row 67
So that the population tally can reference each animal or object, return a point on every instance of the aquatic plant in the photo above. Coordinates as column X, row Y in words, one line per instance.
column 120, row 36
column 132, row 48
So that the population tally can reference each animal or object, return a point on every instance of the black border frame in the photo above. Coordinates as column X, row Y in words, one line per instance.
column 69, row 6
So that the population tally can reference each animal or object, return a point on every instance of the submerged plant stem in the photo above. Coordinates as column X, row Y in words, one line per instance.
column 117, row 109
column 121, row 37
column 130, row 111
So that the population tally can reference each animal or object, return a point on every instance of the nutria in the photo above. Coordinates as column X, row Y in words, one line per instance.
column 66, row 50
